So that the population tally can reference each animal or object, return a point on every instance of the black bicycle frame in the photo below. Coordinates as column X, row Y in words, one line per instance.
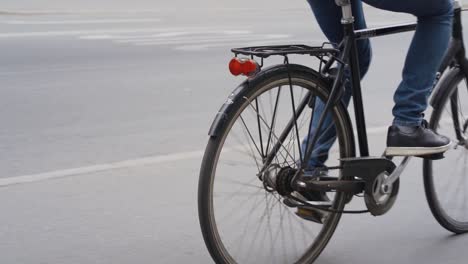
column 456, row 51
column 349, row 56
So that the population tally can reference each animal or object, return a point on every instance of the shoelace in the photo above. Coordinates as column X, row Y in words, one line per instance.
column 424, row 123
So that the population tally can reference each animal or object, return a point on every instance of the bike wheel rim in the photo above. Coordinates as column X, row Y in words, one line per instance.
column 450, row 186
column 215, row 224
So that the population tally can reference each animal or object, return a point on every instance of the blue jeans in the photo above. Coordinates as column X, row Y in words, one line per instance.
column 425, row 54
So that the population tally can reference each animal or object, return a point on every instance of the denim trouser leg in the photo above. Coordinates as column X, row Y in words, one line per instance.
column 328, row 15
column 424, row 56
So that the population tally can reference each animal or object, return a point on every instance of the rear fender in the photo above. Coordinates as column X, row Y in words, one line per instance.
column 238, row 95
column 222, row 115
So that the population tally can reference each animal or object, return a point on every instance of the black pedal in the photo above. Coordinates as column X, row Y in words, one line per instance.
column 314, row 215
column 437, row 156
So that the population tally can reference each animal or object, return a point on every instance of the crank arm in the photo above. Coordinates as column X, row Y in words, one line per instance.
column 397, row 172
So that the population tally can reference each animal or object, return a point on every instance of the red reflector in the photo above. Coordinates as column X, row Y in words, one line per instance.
column 245, row 66
column 235, row 66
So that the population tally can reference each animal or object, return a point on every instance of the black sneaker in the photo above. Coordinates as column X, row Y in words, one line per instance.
column 415, row 141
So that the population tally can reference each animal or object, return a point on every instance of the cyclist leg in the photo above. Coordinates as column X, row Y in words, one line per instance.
column 328, row 16
column 424, row 56
column 407, row 136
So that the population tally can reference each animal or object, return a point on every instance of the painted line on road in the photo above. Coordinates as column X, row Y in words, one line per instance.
column 101, row 32
column 78, row 32
column 229, row 39
column 151, row 160
column 65, row 68
column 166, row 34
column 74, row 11
column 84, row 21
column 181, row 36
column 190, row 39
column 200, row 47
column 131, row 163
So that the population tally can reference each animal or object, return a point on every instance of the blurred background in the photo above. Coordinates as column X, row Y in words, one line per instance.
column 105, row 108
column 144, row 5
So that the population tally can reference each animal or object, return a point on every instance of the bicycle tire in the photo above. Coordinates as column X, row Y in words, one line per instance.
column 300, row 75
column 448, row 86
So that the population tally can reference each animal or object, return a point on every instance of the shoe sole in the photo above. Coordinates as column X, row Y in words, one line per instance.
column 415, row 151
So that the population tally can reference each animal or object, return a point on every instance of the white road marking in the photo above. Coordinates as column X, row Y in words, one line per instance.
column 66, row 68
column 188, row 39
column 77, row 32
column 199, row 47
column 236, row 32
column 77, row 22
column 172, row 34
column 84, row 12
column 229, row 39
column 56, row 33
column 191, row 39
column 100, row 167
column 156, row 35
column 96, row 37
column 176, row 36
column 150, row 160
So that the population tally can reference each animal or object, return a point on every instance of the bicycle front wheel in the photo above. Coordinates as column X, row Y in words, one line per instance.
column 445, row 181
column 242, row 219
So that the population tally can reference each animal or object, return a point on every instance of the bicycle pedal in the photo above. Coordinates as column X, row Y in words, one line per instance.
column 313, row 215
column 293, row 203
column 437, row 156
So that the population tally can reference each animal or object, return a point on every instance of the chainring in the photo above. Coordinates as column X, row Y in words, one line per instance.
column 377, row 201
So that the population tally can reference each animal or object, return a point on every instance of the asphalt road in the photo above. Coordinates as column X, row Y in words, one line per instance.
column 105, row 117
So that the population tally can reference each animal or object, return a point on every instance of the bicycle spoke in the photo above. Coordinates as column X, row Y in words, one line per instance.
column 273, row 119
column 250, row 135
column 259, row 130
column 309, row 130
column 243, row 184
column 242, row 236
column 295, row 118
column 273, row 134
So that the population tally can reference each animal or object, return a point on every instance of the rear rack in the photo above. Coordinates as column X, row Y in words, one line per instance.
column 283, row 50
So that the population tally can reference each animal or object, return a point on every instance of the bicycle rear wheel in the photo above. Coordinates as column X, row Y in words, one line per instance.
column 445, row 181
column 242, row 220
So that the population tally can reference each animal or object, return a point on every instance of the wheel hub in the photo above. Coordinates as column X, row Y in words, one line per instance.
column 278, row 179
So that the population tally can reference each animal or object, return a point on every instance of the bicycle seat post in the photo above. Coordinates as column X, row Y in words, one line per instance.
column 347, row 21
column 347, row 17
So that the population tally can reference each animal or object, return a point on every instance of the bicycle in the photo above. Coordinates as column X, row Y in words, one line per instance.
column 247, row 191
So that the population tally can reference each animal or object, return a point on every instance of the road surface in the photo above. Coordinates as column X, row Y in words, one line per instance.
column 105, row 113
